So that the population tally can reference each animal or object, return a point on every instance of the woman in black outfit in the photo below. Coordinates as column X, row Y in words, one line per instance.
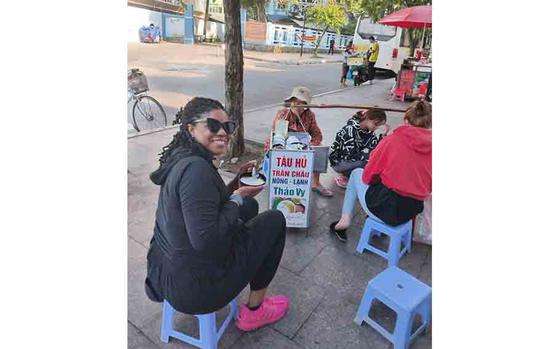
column 209, row 240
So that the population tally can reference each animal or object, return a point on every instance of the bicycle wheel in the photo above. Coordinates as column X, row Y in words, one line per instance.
column 147, row 113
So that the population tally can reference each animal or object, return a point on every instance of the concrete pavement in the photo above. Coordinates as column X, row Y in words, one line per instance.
column 324, row 278
column 178, row 72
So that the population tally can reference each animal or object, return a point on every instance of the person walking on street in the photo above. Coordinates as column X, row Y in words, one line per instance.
column 331, row 47
column 373, row 53
column 345, row 67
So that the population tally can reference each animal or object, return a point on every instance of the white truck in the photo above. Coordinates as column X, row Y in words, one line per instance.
column 391, row 54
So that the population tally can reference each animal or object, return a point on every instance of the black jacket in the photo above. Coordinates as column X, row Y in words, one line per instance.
column 195, row 224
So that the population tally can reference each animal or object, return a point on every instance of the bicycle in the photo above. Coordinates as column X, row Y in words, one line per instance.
column 147, row 112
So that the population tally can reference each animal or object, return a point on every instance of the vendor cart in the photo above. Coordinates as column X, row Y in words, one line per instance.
column 289, row 168
column 289, row 180
column 415, row 79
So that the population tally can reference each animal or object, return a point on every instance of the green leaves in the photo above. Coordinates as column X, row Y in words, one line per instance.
column 377, row 9
column 331, row 15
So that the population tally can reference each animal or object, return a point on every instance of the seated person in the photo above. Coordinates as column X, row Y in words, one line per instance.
column 209, row 240
column 354, row 142
column 301, row 119
column 398, row 176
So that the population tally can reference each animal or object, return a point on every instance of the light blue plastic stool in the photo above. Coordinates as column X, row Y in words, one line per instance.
column 403, row 293
column 396, row 234
column 206, row 327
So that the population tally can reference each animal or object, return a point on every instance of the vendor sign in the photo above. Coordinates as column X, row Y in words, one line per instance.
column 360, row 51
column 291, row 172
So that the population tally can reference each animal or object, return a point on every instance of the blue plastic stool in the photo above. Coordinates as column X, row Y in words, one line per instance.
column 396, row 234
column 403, row 293
column 206, row 327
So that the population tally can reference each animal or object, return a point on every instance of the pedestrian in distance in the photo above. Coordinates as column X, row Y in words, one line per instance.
column 209, row 241
column 398, row 176
column 331, row 47
column 372, row 54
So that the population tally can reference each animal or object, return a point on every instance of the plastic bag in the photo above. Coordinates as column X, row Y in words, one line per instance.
column 423, row 224
column 137, row 81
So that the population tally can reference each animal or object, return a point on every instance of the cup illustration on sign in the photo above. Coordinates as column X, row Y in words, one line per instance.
column 289, row 205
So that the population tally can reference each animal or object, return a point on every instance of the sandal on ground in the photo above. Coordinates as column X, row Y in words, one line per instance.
column 341, row 181
column 323, row 191
column 340, row 234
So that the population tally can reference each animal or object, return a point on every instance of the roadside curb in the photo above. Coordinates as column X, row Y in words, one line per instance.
column 291, row 61
column 252, row 141
column 155, row 130
column 282, row 103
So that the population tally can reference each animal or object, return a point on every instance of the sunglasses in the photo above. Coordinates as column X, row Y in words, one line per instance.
column 214, row 125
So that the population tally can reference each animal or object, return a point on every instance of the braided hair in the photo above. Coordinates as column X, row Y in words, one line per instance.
column 196, row 108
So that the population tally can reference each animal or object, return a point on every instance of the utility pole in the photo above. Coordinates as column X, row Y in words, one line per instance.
column 303, row 33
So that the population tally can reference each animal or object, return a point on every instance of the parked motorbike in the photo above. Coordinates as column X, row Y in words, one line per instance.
column 359, row 74
column 359, row 71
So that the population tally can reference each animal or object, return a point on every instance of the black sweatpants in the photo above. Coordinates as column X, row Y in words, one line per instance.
column 371, row 70
column 254, row 258
column 345, row 68
column 270, row 244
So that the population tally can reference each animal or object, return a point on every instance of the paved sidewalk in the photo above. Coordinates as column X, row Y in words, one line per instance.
column 323, row 277
column 169, row 54
column 291, row 58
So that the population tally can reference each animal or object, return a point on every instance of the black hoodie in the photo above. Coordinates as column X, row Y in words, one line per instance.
column 195, row 221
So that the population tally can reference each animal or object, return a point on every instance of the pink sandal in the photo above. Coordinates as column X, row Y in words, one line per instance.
column 323, row 191
column 341, row 181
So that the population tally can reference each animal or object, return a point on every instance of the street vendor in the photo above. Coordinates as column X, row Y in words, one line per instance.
column 302, row 119
column 372, row 55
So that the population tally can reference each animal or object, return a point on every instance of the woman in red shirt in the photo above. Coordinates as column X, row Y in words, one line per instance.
column 398, row 176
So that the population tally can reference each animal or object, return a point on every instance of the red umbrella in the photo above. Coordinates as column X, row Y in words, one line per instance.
column 410, row 17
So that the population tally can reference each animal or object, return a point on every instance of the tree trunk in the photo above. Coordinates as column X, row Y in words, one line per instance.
column 205, row 19
column 261, row 10
column 413, row 40
column 234, row 73
column 318, row 43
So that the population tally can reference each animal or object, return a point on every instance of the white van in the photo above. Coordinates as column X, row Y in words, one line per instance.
column 391, row 54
